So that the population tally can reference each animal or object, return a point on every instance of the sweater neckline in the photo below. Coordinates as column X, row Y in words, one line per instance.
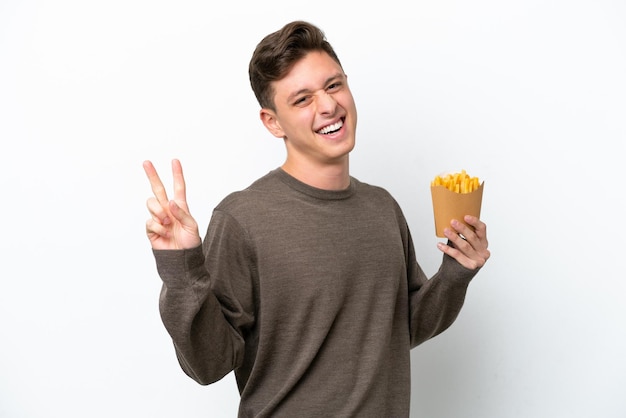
column 315, row 192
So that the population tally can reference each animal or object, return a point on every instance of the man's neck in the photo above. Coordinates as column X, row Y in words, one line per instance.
column 326, row 177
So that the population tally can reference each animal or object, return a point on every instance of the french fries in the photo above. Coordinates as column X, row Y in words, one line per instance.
column 457, row 182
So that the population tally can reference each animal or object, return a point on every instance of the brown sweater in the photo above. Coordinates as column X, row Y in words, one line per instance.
column 313, row 297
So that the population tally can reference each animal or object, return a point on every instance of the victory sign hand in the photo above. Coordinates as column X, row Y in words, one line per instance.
column 171, row 226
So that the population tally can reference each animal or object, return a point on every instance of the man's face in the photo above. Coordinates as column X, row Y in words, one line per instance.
column 315, row 112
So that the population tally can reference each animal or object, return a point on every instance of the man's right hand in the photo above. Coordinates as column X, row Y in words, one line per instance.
column 171, row 226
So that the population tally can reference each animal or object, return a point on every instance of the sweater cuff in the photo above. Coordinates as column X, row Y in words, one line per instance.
column 454, row 270
column 179, row 268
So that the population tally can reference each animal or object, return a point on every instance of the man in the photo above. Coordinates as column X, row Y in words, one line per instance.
column 306, row 284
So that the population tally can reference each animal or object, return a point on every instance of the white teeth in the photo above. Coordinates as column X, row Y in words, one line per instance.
column 331, row 128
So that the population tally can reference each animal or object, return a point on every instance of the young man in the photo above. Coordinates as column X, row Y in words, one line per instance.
column 306, row 284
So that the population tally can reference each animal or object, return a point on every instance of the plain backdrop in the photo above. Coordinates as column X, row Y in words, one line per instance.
column 528, row 95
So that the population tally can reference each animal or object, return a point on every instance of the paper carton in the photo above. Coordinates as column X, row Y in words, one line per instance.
column 448, row 205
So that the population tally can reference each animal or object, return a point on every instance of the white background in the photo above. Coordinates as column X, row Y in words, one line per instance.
column 528, row 95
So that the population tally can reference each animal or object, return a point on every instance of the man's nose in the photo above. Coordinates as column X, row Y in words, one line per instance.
column 326, row 103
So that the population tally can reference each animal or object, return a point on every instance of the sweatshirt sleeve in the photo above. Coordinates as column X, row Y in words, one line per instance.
column 435, row 303
column 206, row 301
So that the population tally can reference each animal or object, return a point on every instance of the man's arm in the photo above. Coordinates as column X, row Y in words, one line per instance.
column 436, row 303
column 207, row 345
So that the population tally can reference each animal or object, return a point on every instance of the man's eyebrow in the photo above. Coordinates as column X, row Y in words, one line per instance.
column 306, row 90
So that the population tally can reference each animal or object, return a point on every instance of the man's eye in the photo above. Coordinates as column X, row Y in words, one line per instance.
column 301, row 100
column 334, row 86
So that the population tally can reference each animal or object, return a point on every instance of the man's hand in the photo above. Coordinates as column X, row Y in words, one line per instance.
column 171, row 226
column 469, row 245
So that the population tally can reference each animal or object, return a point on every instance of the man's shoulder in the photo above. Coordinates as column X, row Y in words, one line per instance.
column 262, row 189
column 373, row 190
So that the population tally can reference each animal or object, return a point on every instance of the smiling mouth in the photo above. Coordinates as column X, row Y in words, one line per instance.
column 331, row 128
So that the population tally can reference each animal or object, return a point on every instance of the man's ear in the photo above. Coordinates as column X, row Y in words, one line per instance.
column 269, row 119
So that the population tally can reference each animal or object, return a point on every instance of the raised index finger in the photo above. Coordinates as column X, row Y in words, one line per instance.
column 155, row 183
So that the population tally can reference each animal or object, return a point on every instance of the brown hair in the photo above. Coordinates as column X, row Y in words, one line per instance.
column 277, row 53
